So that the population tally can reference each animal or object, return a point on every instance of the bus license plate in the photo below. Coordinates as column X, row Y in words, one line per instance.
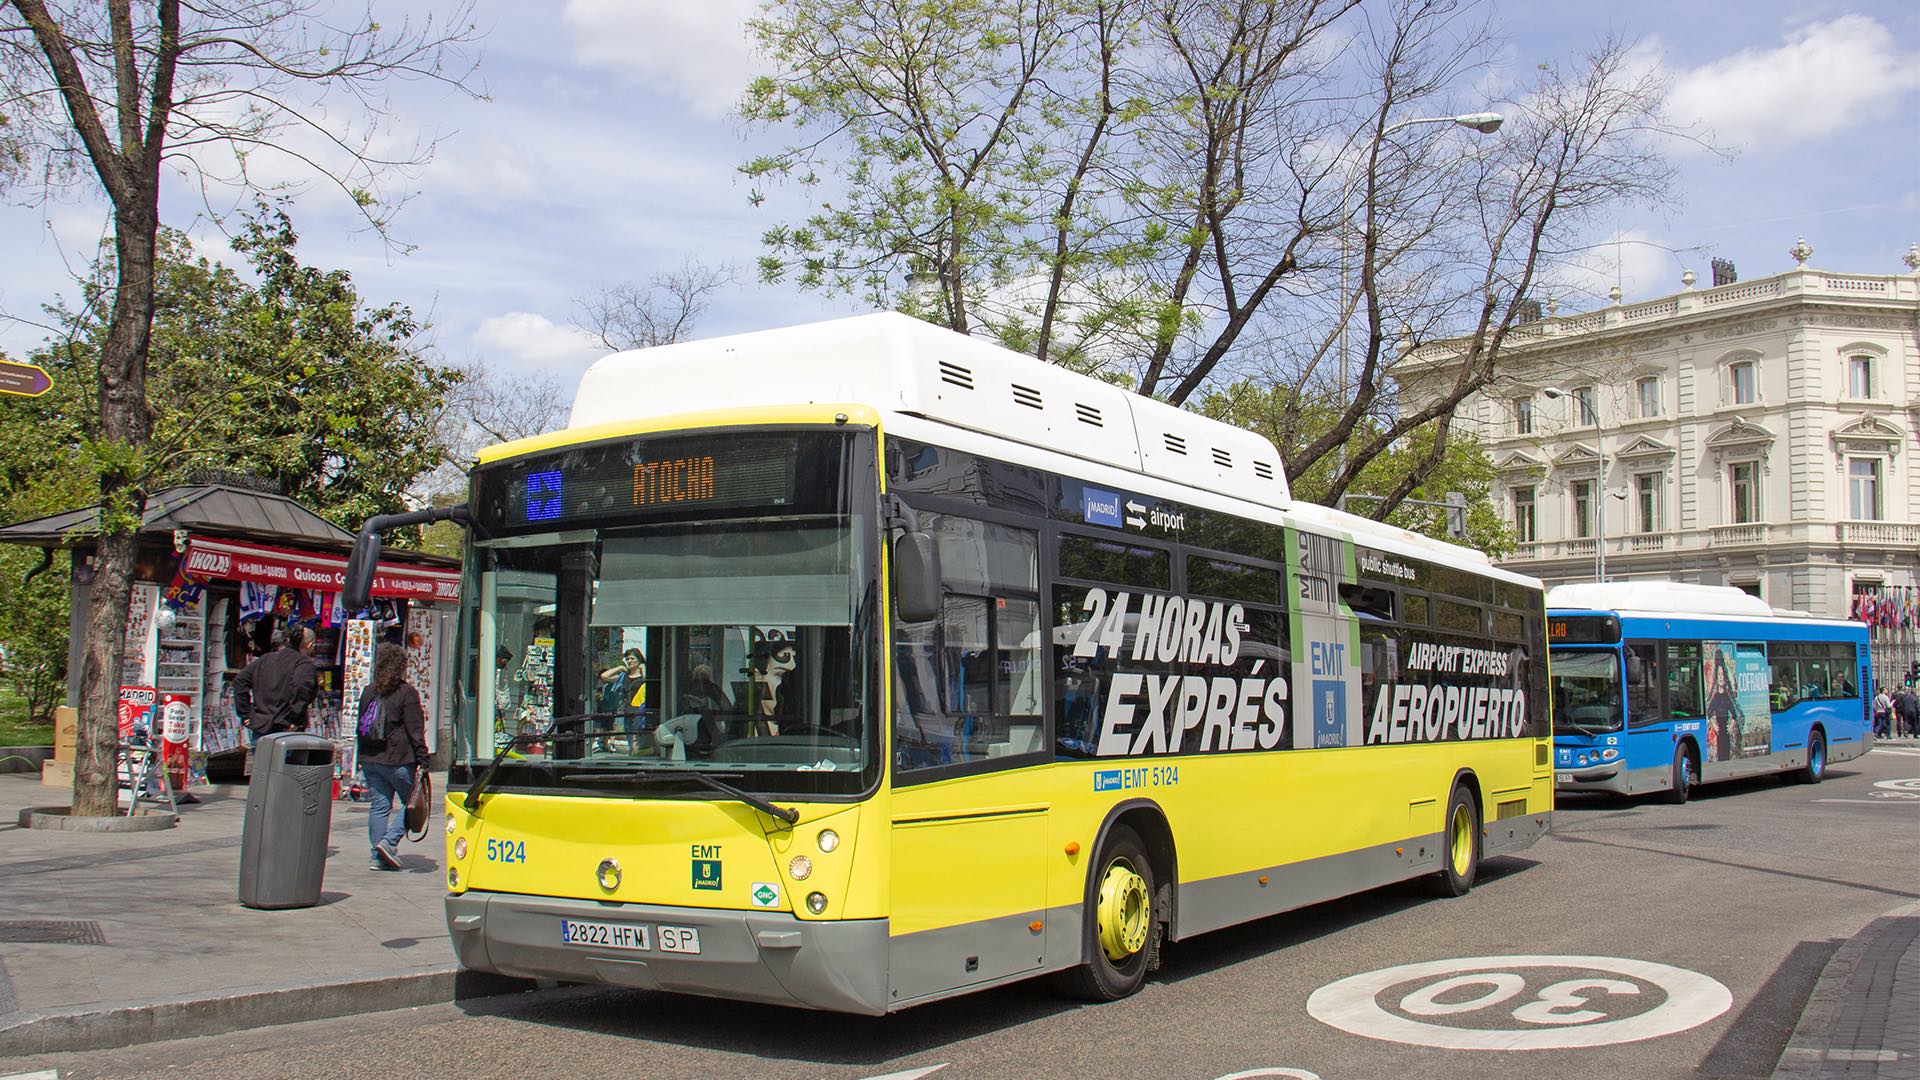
column 604, row 935
column 1563, row 778
column 680, row 939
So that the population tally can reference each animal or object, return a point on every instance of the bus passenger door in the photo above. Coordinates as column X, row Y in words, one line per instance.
column 1649, row 738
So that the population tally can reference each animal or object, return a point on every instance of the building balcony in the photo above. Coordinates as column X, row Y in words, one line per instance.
column 1654, row 541
column 1878, row 533
column 1746, row 534
column 1574, row 549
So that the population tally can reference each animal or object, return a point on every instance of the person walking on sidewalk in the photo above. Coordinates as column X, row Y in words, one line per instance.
column 1906, row 712
column 1882, row 714
column 392, row 737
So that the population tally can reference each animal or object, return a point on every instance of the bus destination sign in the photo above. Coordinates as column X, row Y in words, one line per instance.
column 1583, row 630
column 641, row 478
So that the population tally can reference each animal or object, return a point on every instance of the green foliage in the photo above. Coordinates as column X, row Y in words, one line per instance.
column 288, row 374
column 1465, row 466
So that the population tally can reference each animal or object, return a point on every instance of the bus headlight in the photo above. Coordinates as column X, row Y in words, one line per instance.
column 450, row 825
column 453, row 877
column 829, row 840
column 800, row 867
column 816, row 902
column 460, row 848
column 1609, row 754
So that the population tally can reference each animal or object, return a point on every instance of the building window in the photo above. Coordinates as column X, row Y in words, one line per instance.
column 1583, row 411
column 1863, row 489
column 1523, row 519
column 1751, row 588
column 1741, row 381
column 1744, row 478
column 1647, row 394
column 1860, row 377
column 1523, row 416
column 1646, row 491
column 1582, row 509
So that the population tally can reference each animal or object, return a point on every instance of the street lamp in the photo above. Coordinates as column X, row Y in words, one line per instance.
column 1486, row 123
column 1599, row 484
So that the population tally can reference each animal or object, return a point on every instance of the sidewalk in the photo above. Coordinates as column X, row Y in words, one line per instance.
column 1862, row 1021
column 112, row 939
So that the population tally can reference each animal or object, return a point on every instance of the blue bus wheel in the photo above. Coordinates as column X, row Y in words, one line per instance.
column 1816, row 768
column 1683, row 776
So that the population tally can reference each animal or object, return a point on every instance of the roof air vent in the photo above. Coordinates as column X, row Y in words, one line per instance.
column 955, row 374
column 1088, row 414
column 1026, row 395
column 1222, row 458
column 1263, row 470
column 1175, row 443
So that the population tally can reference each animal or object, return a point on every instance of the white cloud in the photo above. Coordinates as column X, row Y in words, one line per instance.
column 696, row 50
column 1825, row 78
column 536, row 339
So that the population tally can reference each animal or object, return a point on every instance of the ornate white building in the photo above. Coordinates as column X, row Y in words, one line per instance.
column 1761, row 434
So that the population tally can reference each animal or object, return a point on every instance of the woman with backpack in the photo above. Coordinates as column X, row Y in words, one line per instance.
column 393, row 750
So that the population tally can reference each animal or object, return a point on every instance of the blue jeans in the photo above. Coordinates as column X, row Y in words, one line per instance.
column 388, row 782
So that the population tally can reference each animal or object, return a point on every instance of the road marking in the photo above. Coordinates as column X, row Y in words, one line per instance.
column 1890, row 800
column 906, row 1074
column 1289, row 1074
column 1905, row 784
column 1575, row 1009
column 43, row 1074
column 1895, row 752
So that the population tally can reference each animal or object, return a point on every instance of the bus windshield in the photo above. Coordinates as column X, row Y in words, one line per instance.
column 733, row 644
column 1586, row 691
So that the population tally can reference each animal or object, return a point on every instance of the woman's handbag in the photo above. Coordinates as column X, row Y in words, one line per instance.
column 419, row 805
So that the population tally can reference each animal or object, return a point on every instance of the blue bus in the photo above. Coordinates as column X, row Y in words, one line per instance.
column 1659, row 686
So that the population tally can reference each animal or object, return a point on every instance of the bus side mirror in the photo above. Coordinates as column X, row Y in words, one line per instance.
column 916, row 577
column 1636, row 670
column 356, row 592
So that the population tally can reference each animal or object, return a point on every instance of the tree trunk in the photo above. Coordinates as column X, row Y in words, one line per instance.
column 126, row 424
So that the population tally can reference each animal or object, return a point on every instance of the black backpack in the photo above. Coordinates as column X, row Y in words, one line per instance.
column 375, row 725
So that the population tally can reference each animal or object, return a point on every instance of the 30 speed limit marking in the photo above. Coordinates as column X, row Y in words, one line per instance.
column 1520, row 1002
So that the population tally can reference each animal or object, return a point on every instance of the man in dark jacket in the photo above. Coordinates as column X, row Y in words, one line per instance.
column 273, row 693
column 1906, row 711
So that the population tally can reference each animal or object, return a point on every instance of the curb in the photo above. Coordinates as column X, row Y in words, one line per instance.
column 103, row 1029
column 1826, row 1019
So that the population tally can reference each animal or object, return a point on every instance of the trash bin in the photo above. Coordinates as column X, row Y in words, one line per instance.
column 283, row 842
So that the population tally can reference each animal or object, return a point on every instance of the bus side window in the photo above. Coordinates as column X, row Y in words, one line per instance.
column 1783, row 661
column 1643, row 684
column 1683, row 680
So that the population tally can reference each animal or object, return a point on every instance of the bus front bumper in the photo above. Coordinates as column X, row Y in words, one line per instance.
column 1610, row 777
column 764, row 956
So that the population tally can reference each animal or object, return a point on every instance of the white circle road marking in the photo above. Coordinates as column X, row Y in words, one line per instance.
column 1289, row 1074
column 1908, row 784
column 1352, row 1004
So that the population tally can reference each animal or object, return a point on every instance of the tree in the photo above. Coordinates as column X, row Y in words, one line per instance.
column 185, row 84
column 626, row 316
column 1192, row 180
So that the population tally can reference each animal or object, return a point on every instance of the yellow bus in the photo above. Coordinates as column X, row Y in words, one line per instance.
column 858, row 665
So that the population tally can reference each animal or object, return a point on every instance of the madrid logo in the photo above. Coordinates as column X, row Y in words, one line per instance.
column 1520, row 1002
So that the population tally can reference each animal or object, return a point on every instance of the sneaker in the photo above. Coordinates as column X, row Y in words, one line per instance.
column 384, row 855
column 376, row 864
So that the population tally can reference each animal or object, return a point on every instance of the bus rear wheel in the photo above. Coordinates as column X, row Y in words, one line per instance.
column 1816, row 767
column 1460, row 846
column 1119, row 923
column 1683, row 778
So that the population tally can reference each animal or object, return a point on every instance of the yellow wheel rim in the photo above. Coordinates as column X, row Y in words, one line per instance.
column 1461, row 841
column 1123, row 912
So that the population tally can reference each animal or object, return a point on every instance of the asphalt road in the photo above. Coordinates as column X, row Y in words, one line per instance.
column 1708, row 922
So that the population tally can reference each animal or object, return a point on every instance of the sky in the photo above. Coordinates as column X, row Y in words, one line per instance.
column 606, row 151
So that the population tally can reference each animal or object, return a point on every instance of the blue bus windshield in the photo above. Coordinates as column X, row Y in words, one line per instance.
column 1586, row 691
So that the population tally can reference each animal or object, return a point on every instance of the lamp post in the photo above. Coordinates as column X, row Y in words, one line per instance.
column 1599, row 484
column 1486, row 123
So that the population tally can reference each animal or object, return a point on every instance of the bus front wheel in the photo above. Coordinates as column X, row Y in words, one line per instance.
column 1683, row 778
column 1460, row 848
column 1119, row 922
column 1816, row 768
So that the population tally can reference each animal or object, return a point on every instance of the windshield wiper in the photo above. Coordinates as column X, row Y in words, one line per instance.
column 783, row 813
column 472, row 801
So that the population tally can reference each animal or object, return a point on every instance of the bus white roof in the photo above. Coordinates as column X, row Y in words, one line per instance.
column 898, row 364
column 1668, row 597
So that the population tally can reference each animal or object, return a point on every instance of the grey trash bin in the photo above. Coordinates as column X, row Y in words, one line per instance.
column 283, row 842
